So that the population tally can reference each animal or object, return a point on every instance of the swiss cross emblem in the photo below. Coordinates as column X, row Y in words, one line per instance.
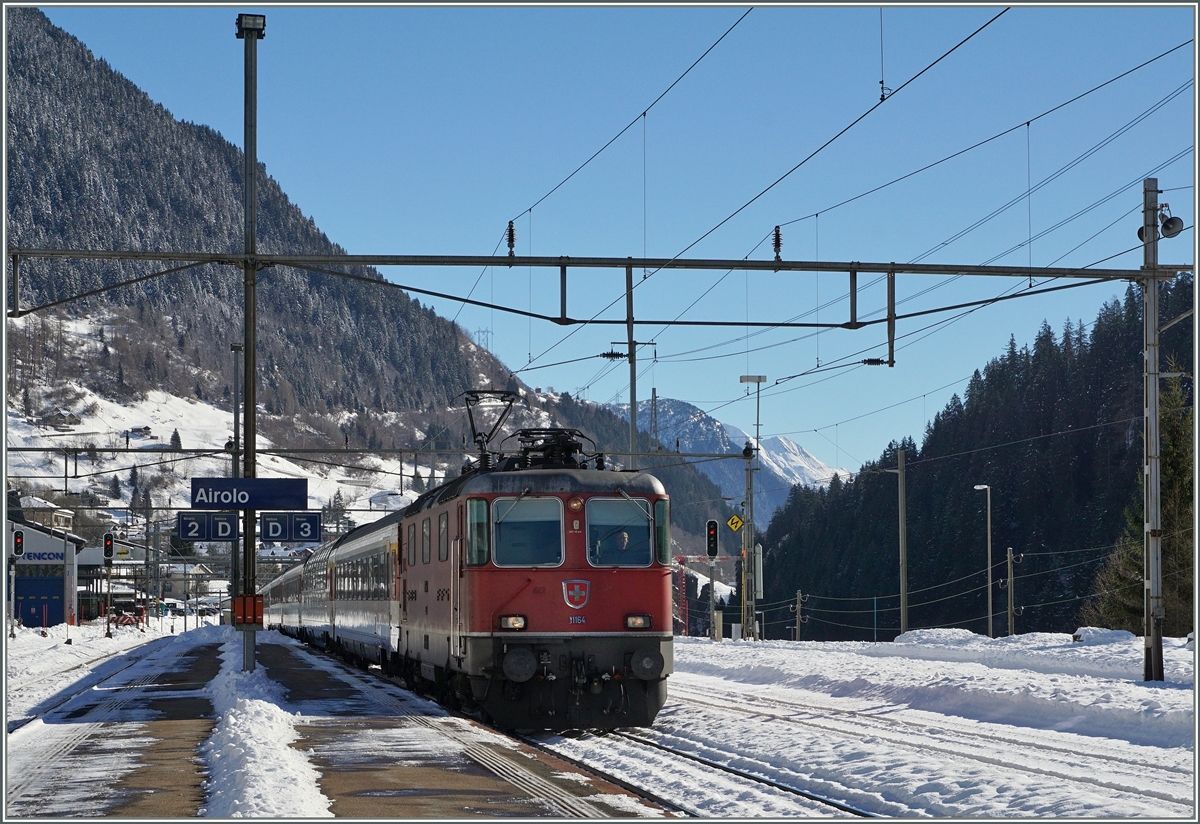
column 575, row 593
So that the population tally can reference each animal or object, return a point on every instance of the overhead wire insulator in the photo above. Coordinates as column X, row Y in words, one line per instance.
column 778, row 242
column 511, row 235
column 874, row 362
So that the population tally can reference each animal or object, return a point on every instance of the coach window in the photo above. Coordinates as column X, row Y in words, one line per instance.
column 477, row 532
column 444, row 536
column 528, row 532
column 412, row 544
column 618, row 532
column 426, row 538
column 662, row 530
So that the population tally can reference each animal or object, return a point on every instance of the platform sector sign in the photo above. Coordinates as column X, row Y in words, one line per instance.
column 249, row 493
column 290, row 527
column 207, row 526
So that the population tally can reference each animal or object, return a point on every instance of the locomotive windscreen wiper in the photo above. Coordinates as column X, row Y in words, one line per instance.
column 500, row 518
column 638, row 504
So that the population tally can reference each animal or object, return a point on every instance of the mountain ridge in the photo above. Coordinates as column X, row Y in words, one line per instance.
column 783, row 463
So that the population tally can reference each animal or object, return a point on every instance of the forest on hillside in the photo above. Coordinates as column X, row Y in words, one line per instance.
column 1055, row 429
column 95, row 164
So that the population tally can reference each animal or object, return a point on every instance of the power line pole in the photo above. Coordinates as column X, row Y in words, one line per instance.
column 903, row 507
column 903, row 548
column 1011, row 595
column 632, row 366
column 1154, row 611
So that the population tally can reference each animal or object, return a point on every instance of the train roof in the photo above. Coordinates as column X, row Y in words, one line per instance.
column 579, row 481
column 547, row 460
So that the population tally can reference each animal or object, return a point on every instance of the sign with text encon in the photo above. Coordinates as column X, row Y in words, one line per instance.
column 249, row 493
column 290, row 527
column 208, row 526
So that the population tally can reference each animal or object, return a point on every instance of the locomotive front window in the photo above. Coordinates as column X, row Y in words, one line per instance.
column 528, row 532
column 477, row 531
column 618, row 532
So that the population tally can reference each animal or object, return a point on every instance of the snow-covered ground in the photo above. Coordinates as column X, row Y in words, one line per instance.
column 940, row 723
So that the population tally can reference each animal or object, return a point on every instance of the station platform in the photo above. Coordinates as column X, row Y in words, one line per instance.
column 375, row 749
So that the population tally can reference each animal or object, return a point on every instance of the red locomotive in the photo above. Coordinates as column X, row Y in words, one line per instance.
column 534, row 589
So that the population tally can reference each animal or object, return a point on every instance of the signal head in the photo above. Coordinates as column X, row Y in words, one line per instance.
column 108, row 544
column 19, row 543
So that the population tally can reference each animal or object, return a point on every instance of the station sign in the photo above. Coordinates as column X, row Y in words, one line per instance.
column 288, row 527
column 208, row 526
column 249, row 493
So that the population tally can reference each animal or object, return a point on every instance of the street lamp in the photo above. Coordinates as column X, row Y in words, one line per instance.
column 753, row 575
column 989, row 553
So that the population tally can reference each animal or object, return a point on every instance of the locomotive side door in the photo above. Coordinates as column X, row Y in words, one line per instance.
column 456, row 577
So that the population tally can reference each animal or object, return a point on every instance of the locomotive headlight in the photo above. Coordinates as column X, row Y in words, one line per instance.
column 575, row 504
column 637, row 622
column 512, row 622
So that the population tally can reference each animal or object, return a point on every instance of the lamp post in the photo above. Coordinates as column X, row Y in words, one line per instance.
column 753, row 575
column 989, row 553
column 250, row 28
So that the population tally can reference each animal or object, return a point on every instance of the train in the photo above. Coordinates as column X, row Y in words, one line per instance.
column 534, row 590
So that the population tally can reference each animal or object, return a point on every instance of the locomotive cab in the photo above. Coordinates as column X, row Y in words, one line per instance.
column 558, row 601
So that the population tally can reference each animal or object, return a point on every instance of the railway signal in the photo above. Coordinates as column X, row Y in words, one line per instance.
column 108, row 547
column 19, row 543
column 712, row 539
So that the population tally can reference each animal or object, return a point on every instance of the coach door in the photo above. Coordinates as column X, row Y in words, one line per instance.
column 456, row 579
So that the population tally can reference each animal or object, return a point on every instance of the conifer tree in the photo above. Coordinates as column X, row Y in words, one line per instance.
column 1119, row 600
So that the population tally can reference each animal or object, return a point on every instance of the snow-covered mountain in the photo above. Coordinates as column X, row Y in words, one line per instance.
column 784, row 463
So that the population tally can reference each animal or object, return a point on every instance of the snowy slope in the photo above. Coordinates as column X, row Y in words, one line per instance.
column 200, row 426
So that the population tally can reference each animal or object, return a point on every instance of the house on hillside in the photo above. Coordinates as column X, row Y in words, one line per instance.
column 57, row 417
column 41, row 511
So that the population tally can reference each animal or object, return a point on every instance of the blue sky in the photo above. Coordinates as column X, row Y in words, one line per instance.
column 425, row 130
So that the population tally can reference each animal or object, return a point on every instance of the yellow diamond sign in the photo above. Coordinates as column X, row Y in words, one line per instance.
column 735, row 523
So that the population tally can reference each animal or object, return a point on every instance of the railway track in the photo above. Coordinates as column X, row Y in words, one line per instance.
column 136, row 655
column 691, row 809
column 46, row 754
column 966, row 732
column 973, row 742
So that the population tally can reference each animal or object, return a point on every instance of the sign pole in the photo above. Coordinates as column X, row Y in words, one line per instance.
column 108, row 608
